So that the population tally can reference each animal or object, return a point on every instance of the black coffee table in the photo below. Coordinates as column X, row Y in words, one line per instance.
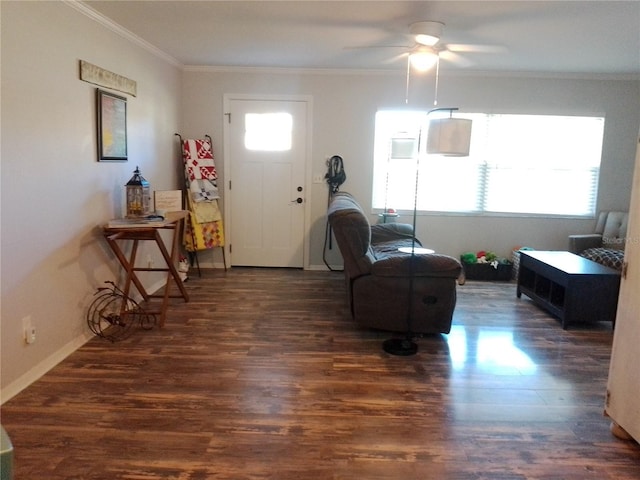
column 570, row 287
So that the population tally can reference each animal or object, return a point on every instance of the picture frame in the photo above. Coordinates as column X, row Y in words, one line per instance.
column 168, row 200
column 112, row 127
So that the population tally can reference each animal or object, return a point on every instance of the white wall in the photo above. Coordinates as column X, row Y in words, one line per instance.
column 343, row 124
column 54, row 192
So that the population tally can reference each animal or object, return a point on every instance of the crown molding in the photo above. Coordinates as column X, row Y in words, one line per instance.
column 89, row 12
column 402, row 72
column 543, row 75
column 289, row 70
column 86, row 10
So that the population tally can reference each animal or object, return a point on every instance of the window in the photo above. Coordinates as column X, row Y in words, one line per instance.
column 271, row 132
column 518, row 164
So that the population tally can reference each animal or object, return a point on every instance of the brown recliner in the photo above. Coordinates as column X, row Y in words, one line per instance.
column 378, row 275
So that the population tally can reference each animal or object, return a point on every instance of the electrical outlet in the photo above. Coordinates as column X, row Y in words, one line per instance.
column 29, row 331
column 31, row 335
column 318, row 178
column 149, row 261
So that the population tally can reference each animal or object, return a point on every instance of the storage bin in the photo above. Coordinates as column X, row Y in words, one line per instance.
column 486, row 271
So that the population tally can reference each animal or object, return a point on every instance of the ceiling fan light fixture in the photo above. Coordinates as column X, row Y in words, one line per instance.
column 424, row 39
column 423, row 59
column 426, row 33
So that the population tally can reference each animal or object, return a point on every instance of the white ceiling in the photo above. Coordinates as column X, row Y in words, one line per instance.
column 586, row 37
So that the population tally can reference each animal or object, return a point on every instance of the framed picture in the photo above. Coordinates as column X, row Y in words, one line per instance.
column 112, row 127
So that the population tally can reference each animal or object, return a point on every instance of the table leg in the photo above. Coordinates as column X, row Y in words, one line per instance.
column 172, row 272
column 128, row 265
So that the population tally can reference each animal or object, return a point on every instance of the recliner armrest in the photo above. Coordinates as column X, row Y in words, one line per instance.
column 387, row 232
column 579, row 243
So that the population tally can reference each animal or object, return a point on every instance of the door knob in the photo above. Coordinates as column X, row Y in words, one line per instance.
column 297, row 200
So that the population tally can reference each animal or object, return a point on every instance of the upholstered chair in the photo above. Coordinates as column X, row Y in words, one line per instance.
column 606, row 244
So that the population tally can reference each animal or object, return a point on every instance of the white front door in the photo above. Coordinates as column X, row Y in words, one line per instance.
column 266, row 158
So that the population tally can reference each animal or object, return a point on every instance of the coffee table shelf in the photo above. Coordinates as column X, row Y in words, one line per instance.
column 572, row 288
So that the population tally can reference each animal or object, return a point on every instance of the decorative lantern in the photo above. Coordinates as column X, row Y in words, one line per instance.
column 138, row 196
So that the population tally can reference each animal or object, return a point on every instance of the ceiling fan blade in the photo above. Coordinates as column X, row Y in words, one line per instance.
column 396, row 58
column 455, row 58
column 406, row 47
column 471, row 48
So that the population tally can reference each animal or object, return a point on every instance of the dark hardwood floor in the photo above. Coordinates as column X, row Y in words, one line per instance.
column 263, row 375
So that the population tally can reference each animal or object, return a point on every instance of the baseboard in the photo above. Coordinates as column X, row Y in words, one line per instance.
column 43, row 367
column 193, row 269
column 324, row 268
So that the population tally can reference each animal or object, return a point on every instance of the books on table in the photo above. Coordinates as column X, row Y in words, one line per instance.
column 142, row 222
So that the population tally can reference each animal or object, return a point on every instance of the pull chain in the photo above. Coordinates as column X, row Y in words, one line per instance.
column 435, row 95
column 406, row 92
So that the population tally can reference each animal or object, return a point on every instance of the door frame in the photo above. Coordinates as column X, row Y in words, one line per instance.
column 308, row 99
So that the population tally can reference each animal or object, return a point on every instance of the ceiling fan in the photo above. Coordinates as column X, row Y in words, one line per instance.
column 427, row 49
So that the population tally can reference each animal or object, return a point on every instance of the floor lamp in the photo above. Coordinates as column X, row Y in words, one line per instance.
column 449, row 137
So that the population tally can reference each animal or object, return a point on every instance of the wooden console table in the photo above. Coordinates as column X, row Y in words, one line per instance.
column 571, row 287
column 115, row 237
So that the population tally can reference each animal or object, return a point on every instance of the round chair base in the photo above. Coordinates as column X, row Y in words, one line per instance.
column 400, row 346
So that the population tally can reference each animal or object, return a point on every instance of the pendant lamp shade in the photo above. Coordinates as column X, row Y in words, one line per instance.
column 449, row 136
